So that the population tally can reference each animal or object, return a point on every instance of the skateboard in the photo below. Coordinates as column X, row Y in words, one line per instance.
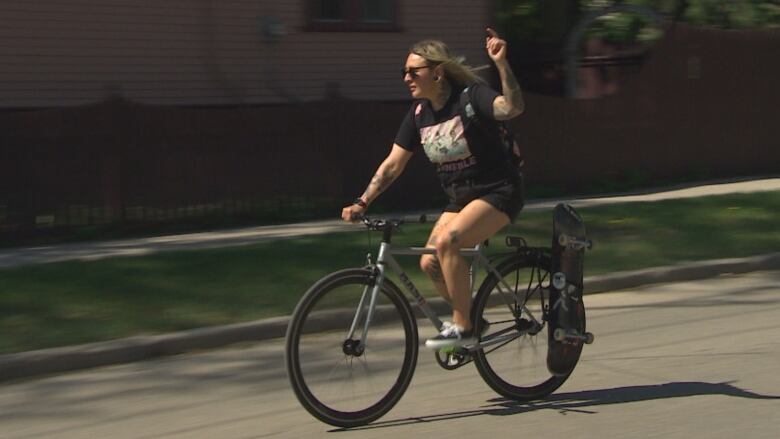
column 566, row 312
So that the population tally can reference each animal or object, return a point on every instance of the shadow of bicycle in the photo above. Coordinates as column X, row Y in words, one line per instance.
column 581, row 402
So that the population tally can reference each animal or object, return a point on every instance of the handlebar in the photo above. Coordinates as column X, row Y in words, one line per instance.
column 383, row 224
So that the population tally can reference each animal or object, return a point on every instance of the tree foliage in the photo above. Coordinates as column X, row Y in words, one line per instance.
column 733, row 14
column 548, row 22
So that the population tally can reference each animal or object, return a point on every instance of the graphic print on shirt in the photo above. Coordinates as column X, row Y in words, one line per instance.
column 445, row 142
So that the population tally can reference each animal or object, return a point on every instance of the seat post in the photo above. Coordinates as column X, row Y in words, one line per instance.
column 473, row 268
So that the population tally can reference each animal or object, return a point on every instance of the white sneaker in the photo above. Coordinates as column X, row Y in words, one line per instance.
column 451, row 336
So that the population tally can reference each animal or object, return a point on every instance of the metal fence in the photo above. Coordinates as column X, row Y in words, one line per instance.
column 704, row 102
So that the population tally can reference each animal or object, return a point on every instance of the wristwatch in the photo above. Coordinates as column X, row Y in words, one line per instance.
column 359, row 201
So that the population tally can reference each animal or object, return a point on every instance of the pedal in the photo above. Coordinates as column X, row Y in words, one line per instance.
column 561, row 335
column 453, row 358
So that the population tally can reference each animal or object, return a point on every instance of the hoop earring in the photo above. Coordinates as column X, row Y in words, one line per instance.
column 436, row 78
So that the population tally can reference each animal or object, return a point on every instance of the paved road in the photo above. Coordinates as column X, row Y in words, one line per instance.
column 685, row 360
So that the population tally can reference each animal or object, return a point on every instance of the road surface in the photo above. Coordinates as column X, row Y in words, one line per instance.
column 684, row 360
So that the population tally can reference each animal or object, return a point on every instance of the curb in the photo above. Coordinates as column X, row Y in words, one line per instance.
column 681, row 272
column 139, row 348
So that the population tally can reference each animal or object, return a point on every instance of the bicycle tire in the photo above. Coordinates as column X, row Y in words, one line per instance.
column 384, row 332
column 516, row 370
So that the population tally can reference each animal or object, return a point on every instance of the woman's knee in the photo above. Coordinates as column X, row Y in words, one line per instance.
column 449, row 242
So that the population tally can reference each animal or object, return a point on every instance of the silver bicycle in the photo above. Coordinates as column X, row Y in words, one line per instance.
column 352, row 342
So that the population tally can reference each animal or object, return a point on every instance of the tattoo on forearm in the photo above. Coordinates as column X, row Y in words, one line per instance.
column 377, row 185
column 382, row 181
column 510, row 82
column 512, row 104
column 377, row 180
column 511, row 89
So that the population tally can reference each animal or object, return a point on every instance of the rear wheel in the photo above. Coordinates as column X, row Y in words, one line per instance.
column 336, row 379
column 513, row 361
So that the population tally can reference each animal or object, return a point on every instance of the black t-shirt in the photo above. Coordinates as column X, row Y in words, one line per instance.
column 461, row 145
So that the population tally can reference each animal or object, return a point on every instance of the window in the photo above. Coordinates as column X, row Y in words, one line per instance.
column 352, row 15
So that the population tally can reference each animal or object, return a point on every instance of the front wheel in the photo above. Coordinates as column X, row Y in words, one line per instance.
column 513, row 361
column 337, row 379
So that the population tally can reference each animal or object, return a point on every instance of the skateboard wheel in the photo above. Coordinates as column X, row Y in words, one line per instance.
column 559, row 334
column 559, row 281
column 563, row 240
column 589, row 338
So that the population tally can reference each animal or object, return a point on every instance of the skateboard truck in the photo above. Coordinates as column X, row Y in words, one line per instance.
column 561, row 335
column 574, row 243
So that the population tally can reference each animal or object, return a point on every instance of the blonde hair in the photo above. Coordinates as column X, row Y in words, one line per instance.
column 456, row 71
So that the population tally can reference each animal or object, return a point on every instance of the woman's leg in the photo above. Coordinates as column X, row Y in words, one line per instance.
column 477, row 222
column 430, row 263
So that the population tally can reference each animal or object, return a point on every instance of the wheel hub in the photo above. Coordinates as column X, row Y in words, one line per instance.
column 352, row 348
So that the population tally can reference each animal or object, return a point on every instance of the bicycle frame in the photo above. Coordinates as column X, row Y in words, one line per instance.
column 386, row 259
column 523, row 347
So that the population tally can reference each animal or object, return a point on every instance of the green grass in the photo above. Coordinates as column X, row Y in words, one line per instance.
column 76, row 302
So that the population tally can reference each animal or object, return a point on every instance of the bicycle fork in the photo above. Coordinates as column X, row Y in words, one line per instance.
column 364, row 314
column 367, row 306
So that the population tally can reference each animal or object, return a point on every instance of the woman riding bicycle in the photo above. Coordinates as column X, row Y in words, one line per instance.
column 453, row 118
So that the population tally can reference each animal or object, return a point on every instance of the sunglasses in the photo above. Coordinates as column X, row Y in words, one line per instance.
column 412, row 71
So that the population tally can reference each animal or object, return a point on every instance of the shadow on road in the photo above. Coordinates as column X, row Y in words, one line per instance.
column 580, row 402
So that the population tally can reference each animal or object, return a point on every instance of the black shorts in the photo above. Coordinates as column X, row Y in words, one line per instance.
column 505, row 195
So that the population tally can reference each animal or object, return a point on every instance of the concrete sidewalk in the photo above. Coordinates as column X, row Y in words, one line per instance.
column 245, row 236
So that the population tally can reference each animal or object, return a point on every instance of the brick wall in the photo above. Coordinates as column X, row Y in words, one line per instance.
column 205, row 52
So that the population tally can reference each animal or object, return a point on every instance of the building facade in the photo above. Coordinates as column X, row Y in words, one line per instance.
column 59, row 53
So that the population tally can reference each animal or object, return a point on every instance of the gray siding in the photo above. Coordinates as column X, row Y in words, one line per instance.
column 207, row 52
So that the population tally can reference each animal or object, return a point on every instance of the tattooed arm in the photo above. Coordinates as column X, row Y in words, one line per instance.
column 511, row 104
column 385, row 175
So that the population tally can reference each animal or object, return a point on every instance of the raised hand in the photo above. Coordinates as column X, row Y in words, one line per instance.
column 496, row 47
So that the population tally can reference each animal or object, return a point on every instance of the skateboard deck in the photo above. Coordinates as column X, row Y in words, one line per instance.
column 566, row 310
